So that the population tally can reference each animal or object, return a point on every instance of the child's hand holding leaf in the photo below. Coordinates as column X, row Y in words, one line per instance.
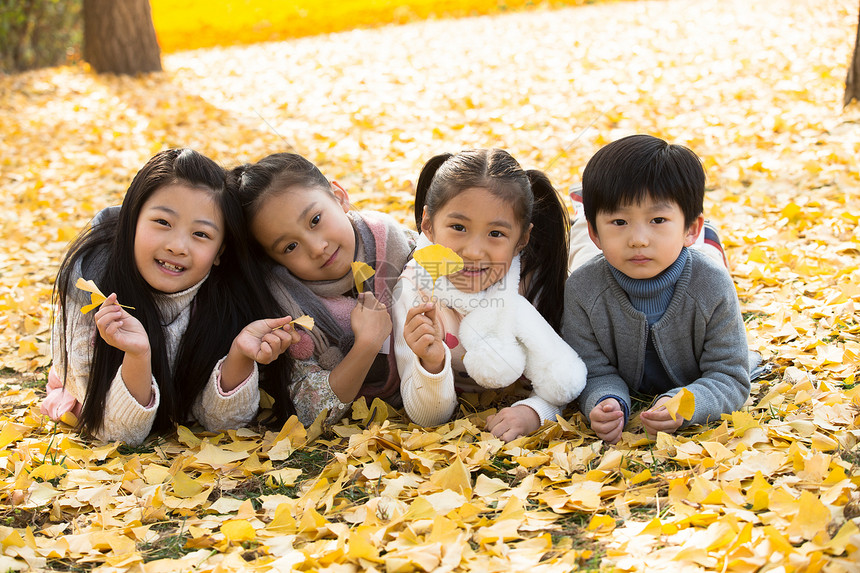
column 120, row 329
column 668, row 414
column 423, row 334
column 264, row 340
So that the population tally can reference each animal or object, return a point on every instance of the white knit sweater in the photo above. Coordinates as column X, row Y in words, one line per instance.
column 125, row 418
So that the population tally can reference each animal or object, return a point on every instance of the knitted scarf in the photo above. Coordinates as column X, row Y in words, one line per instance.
column 386, row 246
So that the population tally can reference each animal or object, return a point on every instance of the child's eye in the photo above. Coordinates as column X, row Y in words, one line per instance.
column 618, row 222
column 161, row 222
column 202, row 234
column 496, row 234
column 315, row 221
column 458, row 227
column 659, row 220
column 290, row 248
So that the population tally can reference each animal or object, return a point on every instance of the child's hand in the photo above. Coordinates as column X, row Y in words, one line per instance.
column 511, row 423
column 264, row 340
column 423, row 334
column 657, row 419
column 120, row 329
column 607, row 420
column 371, row 323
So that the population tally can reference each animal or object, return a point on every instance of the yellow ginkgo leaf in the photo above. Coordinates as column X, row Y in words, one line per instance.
column 238, row 530
column 304, row 321
column 361, row 272
column 438, row 261
column 96, row 296
column 681, row 404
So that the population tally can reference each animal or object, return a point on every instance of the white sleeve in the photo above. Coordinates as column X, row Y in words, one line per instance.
column 219, row 410
column 546, row 411
column 429, row 399
column 125, row 418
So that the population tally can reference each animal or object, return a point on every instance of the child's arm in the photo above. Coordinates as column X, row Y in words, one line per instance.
column 231, row 396
column 125, row 418
column 371, row 325
column 724, row 385
column 603, row 384
column 124, row 332
column 429, row 397
column 314, row 389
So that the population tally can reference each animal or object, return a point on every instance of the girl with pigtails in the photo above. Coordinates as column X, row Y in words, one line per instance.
column 511, row 230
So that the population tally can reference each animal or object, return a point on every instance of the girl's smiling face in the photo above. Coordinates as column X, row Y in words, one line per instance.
column 307, row 231
column 484, row 230
column 178, row 237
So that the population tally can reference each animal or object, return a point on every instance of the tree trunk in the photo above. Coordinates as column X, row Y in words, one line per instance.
column 119, row 37
column 852, row 82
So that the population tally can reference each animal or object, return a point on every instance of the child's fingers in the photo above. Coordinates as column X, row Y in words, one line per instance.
column 418, row 310
column 276, row 323
column 661, row 414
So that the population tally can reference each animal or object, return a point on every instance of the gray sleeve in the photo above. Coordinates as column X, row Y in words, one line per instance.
column 603, row 378
column 724, row 385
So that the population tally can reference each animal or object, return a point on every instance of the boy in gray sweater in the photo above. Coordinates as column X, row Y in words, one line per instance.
column 649, row 315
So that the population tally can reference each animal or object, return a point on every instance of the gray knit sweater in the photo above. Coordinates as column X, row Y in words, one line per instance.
column 700, row 338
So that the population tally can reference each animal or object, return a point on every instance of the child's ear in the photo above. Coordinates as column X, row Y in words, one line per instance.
column 694, row 230
column 524, row 240
column 427, row 225
column 341, row 195
column 217, row 260
column 594, row 237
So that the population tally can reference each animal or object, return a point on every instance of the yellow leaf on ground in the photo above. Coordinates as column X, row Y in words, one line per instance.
column 238, row 530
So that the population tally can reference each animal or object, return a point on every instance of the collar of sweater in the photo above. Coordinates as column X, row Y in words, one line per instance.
column 171, row 305
column 652, row 296
column 465, row 302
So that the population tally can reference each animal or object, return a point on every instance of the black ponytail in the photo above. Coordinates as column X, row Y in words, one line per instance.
column 424, row 181
column 544, row 259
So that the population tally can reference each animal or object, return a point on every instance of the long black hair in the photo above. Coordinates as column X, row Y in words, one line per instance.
column 231, row 297
column 534, row 200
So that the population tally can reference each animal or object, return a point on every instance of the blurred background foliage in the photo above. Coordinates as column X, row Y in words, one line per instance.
column 41, row 33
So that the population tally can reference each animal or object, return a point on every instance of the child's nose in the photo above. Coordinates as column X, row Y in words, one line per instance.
column 320, row 247
column 473, row 250
column 638, row 237
column 178, row 244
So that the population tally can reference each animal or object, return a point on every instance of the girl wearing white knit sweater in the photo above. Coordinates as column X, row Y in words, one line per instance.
column 175, row 252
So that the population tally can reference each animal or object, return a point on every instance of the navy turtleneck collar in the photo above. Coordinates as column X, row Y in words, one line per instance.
column 652, row 296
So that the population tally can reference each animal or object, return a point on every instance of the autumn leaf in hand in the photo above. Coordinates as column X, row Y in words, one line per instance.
column 361, row 272
column 438, row 261
column 96, row 296
column 304, row 321
column 681, row 404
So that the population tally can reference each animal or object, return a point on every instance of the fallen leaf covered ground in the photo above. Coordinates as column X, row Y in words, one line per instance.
column 754, row 88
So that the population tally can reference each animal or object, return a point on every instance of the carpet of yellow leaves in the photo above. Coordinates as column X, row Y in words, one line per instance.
column 755, row 88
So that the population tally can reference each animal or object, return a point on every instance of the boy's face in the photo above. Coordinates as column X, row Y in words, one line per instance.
column 643, row 239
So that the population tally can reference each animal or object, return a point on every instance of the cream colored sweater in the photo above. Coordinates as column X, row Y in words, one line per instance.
column 125, row 419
